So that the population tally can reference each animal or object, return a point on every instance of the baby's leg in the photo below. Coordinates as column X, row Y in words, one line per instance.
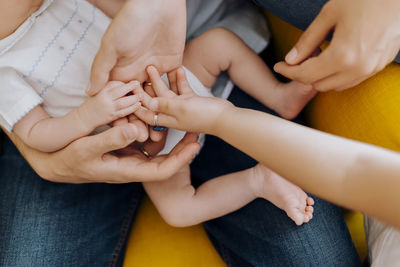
column 221, row 50
column 283, row 194
column 180, row 204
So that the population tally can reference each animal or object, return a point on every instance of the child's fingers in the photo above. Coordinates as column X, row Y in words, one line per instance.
column 172, row 81
column 148, row 117
column 145, row 115
column 126, row 101
column 149, row 90
column 144, row 97
column 183, row 84
column 159, row 87
column 123, row 90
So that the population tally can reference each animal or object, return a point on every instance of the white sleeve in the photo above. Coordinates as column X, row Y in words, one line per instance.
column 17, row 98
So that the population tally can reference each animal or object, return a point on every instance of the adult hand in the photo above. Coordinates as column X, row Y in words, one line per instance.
column 91, row 159
column 186, row 111
column 144, row 32
column 366, row 37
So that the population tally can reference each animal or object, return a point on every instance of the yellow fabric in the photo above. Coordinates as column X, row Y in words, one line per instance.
column 369, row 112
column 153, row 243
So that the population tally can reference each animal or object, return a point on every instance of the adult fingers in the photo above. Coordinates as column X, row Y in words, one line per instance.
column 172, row 81
column 102, row 65
column 143, row 130
column 163, row 167
column 112, row 139
column 154, row 147
column 313, row 36
column 311, row 70
column 183, row 84
column 157, row 136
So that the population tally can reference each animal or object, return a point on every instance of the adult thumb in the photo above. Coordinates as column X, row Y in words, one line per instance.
column 312, row 38
column 112, row 139
column 102, row 65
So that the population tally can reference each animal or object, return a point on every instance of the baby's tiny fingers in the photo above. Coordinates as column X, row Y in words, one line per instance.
column 123, row 90
column 126, row 101
column 129, row 110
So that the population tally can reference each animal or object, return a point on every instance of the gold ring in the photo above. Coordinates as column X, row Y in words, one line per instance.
column 149, row 84
column 145, row 152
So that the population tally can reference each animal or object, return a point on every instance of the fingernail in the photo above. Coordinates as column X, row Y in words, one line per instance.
column 130, row 132
column 153, row 105
column 292, row 55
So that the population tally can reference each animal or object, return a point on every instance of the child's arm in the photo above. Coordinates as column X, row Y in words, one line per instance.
column 38, row 130
column 351, row 174
column 181, row 205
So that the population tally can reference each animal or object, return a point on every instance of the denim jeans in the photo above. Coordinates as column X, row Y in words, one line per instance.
column 298, row 13
column 49, row 224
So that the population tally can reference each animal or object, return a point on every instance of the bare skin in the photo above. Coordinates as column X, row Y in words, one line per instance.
column 351, row 174
column 177, row 200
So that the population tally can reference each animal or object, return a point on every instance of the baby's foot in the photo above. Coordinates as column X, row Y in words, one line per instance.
column 283, row 194
column 293, row 97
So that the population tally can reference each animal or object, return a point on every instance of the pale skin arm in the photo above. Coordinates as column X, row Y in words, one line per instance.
column 351, row 174
column 47, row 134
column 366, row 37
column 182, row 205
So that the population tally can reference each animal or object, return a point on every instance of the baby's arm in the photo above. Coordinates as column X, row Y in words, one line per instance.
column 181, row 205
column 109, row 7
column 40, row 131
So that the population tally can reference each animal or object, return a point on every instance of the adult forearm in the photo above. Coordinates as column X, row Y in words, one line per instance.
column 348, row 173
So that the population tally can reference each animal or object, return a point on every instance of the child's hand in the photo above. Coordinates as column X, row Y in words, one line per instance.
column 186, row 111
column 112, row 103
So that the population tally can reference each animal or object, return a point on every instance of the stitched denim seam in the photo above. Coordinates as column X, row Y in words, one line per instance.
column 124, row 231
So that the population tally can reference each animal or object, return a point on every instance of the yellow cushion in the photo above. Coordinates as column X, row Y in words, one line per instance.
column 153, row 243
column 369, row 112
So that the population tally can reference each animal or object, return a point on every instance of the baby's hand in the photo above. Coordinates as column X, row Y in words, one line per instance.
column 186, row 111
column 112, row 103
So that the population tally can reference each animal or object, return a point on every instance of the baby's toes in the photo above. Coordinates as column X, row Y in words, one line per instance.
column 296, row 216
column 309, row 209
column 310, row 201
